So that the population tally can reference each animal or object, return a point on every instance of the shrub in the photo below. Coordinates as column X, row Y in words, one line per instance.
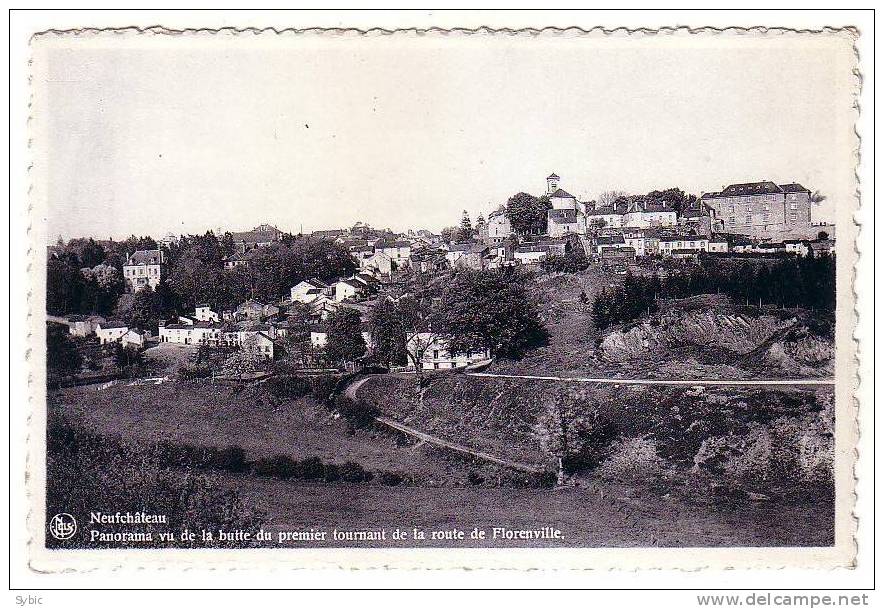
column 279, row 466
column 322, row 387
column 288, row 387
column 353, row 472
column 312, row 468
column 359, row 414
column 231, row 459
column 632, row 459
column 331, row 472
column 787, row 451
column 391, row 478
column 85, row 470
column 475, row 479
column 545, row 479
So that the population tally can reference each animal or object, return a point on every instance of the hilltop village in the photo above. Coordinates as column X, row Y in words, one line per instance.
column 257, row 290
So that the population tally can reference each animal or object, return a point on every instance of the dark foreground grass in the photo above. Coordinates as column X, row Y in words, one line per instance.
column 436, row 493
column 595, row 515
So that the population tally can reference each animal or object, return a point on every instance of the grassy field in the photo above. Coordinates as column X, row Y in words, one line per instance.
column 441, row 490
column 593, row 515
column 200, row 413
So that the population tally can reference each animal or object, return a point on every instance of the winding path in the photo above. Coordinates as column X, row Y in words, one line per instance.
column 429, row 439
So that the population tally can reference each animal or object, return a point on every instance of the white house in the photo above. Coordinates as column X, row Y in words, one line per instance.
column 135, row 338
column 110, row 331
column 78, row 325
column 718, row 244
column 645, row 215
column 182, row 334
column 348, row 289
column 668, row 245
column 319, row 337
column 435, row 353
column 380, row 261
column 530, row 254
column 205, row 313
column 144, row 268
column 309, row 290
column 604, row 217
column 796, row 246
column 497, row 228
column 644, row 245
column 398, row 251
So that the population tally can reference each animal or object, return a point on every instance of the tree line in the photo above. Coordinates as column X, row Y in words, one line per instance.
column 86, row 277
column 805, row 282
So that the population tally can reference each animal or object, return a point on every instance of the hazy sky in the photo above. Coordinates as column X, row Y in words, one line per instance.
column 165, row 134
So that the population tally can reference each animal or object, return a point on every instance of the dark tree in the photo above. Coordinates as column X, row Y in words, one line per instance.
column 345, row 341
column 64, row 287
column 527, row 213
column 387, row 323
column 62, row 357
column 489, row 310
column 146, row 310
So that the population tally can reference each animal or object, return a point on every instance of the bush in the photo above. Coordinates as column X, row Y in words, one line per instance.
column 545, row 479
column 322, row 387
column 331, row 472
column 632, row 459
column 312, row 468
column 279, row 466
column 231, row 459
column 359, row 414
column 85, row 470
column 787, row 451
column 391, row 478
column 475, row 479
column 288, row 387
column 353, row 472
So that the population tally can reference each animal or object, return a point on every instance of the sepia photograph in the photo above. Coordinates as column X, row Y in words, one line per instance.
column 545, row 290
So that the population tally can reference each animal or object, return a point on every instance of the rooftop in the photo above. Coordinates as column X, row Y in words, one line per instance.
column 145, row 257
column 561, row 194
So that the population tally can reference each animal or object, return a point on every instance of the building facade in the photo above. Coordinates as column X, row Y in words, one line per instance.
column 144, row 268
column 760, row 208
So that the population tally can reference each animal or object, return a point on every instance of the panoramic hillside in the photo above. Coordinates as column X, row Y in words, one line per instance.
column 693, row 337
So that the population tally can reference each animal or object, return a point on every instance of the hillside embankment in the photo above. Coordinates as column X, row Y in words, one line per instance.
column 764, row 440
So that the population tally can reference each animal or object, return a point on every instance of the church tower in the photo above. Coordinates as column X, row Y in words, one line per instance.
column 552, row 183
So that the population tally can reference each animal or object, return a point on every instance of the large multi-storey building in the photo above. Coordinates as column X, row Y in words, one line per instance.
column 760, row 208
column 144, row 268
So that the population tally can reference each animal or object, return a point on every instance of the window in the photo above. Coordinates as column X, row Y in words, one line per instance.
column 793, row 205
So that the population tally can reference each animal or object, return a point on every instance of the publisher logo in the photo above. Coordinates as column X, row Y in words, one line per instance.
column 63, row 526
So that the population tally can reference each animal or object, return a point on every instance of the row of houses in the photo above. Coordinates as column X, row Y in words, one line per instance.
column 357, row 287
column 107, row 331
